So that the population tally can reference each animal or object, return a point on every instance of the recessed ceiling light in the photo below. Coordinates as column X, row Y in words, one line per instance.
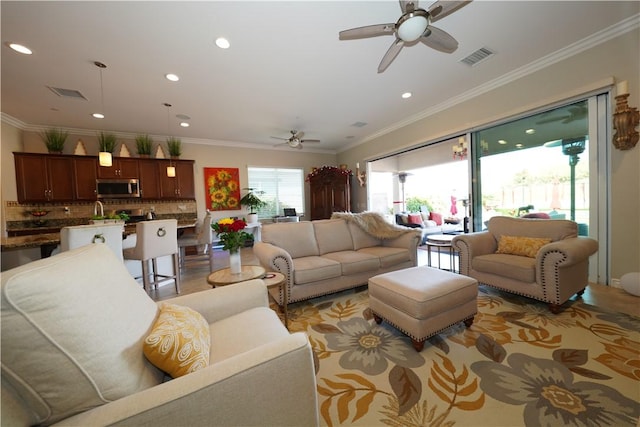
column 184, row 124
column 222, row 43
column 20, row 48
column 98, row 115
column 502, row 141
column 406, row 95
column 519, row 145
column 172, row 77
column 530, row 131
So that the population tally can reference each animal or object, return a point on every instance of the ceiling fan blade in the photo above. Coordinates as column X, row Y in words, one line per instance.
column 391, row 54
column 439, row 40
column 281, row 144
column 282, row 139
column 299, row 146
column 298, row 135
column 552, row 119
column 408, row 5
column 368, row 31
column 441, row 8
column 309, row 140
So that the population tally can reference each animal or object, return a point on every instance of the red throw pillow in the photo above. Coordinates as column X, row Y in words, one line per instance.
column 415, row 219
column 436, row 217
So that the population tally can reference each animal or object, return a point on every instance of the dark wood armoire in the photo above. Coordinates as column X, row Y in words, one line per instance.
column 330, row 191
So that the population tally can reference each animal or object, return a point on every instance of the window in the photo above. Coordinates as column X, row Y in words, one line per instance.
column 283, row 188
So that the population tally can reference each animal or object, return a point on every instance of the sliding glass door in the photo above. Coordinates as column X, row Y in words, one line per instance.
column 546, row 165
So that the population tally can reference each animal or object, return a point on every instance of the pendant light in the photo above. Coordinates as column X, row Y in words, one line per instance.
column 104, row 157
column 171, row 170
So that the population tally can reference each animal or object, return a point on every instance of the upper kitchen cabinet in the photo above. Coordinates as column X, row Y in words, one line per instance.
column 182, row 186
column 149, row 182
column 85, row 171
column 44, row 178
column 122, row 167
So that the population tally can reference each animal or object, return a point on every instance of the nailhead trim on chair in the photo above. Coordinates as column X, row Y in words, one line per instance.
column 556, row 278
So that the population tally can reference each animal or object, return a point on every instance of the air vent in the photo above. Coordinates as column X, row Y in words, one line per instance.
column 359, row 124
column 478, row 56
column 67, row 93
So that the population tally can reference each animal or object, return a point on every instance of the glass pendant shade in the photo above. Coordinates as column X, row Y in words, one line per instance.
column 105, row 159
column 171, row 171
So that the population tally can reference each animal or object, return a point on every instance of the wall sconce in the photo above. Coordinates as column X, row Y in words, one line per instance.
column 625, row 120
column 362, row 176
column 105, row 159
column 460, row 149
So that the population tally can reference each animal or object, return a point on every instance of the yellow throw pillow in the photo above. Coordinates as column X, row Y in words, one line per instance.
column 523, row 246
column 179, row 342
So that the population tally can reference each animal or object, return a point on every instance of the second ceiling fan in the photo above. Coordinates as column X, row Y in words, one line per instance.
column 295, row 141
column 414, row 24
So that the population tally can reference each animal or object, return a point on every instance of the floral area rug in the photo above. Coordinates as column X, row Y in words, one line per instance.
column 517, row 365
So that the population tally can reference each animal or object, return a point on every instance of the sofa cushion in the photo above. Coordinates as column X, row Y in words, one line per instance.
column 73, row 326
column 297, row 238
column 353, row 262
column 179, row 342
column 332, row 235
column 415, row 218
column 523, row 246
column 314, row 268
column 514, row 267
column 436, row 217
column 362, row 239
column 388, row 256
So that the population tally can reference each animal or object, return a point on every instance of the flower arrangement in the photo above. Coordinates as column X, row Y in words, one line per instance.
column 230, row 232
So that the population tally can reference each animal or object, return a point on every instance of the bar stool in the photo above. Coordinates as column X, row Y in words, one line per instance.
column 81, row 235
column 204, row 237
column 155, row 239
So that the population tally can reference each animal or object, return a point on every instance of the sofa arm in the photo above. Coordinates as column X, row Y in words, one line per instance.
column 409, row 240
column 222, row 302
column 236, row 391
column 573, row 250
column 274, row 258
column 472, row 245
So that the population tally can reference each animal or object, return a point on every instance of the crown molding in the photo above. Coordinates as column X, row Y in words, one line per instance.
column 629, row 24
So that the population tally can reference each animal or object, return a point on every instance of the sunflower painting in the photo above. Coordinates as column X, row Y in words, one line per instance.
column 223, row 188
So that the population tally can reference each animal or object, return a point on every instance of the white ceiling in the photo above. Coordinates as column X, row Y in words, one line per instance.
column 286, row 68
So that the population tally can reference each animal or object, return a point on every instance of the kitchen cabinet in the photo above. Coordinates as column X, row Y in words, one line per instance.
column 182, row 186
column 149, row 182
column 84, row 179
column 122, row 167
column 330, row 191
column 44, row 178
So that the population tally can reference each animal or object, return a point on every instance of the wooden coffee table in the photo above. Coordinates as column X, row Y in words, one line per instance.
column 224, row 277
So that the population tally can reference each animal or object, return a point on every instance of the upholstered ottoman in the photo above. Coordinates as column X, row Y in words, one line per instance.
column 422, row 301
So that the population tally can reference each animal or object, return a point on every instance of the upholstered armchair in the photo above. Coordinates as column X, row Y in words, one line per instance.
column 542, row 259
column 75, row 336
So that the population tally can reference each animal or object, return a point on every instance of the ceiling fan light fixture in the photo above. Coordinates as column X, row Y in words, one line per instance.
column 412, row 26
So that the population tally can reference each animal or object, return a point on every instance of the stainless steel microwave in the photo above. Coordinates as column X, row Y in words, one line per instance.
column 117, row 188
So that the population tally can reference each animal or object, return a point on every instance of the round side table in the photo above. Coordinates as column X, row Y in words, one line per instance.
column 224, row 277
column 273, row 279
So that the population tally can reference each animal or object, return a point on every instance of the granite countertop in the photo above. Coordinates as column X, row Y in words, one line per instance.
column 39, row 240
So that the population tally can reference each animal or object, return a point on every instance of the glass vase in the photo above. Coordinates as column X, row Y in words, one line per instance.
column 235, row 263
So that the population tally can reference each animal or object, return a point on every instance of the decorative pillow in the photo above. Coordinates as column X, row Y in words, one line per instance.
column 425, row 216
column 179, row 341
column 404, row 218
column 523, row 246
column 436, row 217
column 415, row 219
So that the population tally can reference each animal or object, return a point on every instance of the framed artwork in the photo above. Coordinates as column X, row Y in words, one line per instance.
column 222, row 186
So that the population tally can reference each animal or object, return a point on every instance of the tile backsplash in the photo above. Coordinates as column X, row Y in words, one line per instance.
column 20, row 216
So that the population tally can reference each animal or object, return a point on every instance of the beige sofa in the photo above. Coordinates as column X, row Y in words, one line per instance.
column 73, row 327
column 554, row 273
column 326, row 256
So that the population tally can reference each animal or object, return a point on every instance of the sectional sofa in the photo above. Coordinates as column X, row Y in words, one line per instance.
column 325, row 256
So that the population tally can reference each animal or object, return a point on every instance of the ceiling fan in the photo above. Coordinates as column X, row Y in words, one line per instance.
column 414, row 24
column 295, row 141
column 576, row 112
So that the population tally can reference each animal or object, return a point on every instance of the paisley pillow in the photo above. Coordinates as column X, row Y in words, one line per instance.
column 179, row 341
column 523, row 246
